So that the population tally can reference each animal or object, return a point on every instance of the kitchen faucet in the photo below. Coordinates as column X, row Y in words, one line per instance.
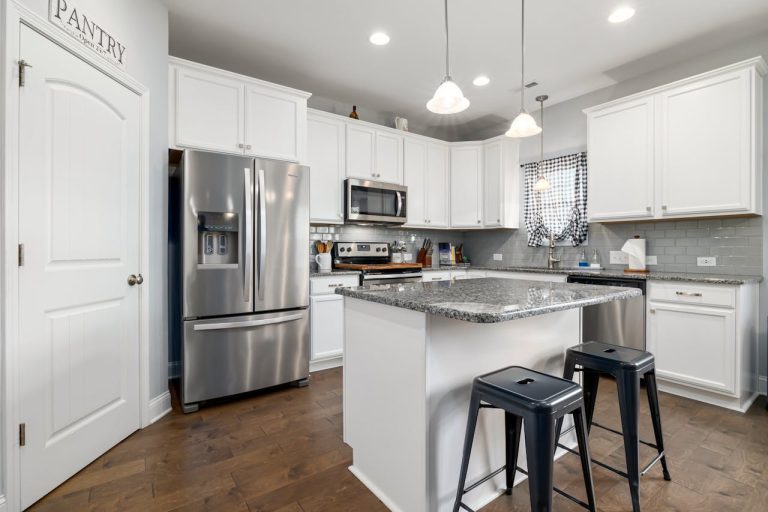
column 552, row 261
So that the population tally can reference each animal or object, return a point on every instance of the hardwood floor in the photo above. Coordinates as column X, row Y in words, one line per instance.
column 282, row 452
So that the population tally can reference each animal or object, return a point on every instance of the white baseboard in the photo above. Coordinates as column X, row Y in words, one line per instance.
column 326, row 364
column 762, row 385
column 159, row 406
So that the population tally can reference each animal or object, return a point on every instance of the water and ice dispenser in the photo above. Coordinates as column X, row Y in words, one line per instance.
column 218, row 235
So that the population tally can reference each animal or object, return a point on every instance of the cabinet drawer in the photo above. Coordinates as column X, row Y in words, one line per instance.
column 436, row 276
column 327, row 284
column 702, row 294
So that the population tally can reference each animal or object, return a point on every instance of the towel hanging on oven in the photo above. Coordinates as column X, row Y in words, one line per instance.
column 562, row 209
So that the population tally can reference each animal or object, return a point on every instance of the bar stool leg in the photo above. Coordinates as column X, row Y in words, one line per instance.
column 586, row 468
column 653, row 402
column 629, row 392
column 513, row 425
column 469, row 437
column 568, row 371
column 539, row 439
column 591, row 383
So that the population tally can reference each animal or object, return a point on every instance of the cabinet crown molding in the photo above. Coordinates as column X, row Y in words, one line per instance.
column 756, row 63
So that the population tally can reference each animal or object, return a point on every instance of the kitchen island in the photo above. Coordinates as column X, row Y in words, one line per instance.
column 411, row 351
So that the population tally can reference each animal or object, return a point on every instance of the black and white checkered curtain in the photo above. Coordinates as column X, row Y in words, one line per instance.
column 562, row 209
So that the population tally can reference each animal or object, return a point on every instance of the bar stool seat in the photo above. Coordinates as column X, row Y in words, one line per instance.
column 540, row 400
column 628, row 366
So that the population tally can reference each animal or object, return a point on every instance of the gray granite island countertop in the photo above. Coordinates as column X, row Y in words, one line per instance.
column 327, row 273
column 488, row 300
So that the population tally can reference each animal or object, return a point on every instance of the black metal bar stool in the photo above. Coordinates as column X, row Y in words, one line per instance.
column 542, row 401
column 627, row 366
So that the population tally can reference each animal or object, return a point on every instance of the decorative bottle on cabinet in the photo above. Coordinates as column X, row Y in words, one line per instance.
column 353, row 114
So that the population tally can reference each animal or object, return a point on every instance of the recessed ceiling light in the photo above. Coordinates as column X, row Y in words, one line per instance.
column 379, row 38
column 481, row 81
column 621, row 14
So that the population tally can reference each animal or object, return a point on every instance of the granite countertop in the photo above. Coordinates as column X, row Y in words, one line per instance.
column 651, row 276
column 324, row 273
column 488, row 300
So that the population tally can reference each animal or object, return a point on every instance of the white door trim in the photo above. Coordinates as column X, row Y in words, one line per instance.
column 14, row 15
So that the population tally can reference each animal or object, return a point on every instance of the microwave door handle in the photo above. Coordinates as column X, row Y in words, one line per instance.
column 399, row 203
column 248, row 323
column 248, row 266
column 262, row 233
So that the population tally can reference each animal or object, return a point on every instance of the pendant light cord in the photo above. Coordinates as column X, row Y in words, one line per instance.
column 522, row 53
column 447, row 46
column 542, row 134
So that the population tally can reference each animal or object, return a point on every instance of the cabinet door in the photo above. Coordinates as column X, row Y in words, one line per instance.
column 415, row 157
column 705, row 139
column 361, row 143
column 389, row 157
column 621, row 162
column 326, row 167
column 209, row 112
column 438, row 167
column 694, row 345
column 327, row 314
column 493, row 186
column 275, row 124
column 466, row 183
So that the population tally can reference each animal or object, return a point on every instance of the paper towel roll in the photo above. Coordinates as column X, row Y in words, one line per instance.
column 635, row 249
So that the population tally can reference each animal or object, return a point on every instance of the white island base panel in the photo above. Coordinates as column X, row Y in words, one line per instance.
column 407, row 382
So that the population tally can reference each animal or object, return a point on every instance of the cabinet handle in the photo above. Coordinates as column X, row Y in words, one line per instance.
column 478, row 222
column 248, row 146
column 663, row 207
column 498, row 220
column 653, row 311
column 647, row 208
column 689, row 294
column 241, row 146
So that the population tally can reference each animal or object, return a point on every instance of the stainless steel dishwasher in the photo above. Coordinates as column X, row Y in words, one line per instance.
column 620, row 322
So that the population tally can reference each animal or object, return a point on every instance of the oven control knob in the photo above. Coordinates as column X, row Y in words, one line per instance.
column 378, row 249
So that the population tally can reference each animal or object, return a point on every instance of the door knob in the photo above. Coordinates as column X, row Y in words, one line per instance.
column 133, row 279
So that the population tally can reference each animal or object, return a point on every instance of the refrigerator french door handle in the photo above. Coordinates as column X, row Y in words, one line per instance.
column 248, row 323
column 399, row 203
column 262, row 233
column 248, row 263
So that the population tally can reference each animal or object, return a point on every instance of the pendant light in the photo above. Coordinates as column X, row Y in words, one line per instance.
column 542, row 183
column 524, row 125
column 448, row 98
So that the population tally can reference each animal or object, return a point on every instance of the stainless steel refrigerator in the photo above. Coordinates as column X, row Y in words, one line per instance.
column 239, row 230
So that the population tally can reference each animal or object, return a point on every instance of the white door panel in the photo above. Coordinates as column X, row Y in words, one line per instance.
column 79, row 223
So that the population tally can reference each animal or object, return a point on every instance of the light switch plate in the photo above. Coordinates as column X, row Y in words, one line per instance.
column 651, row 260
column 407, row 257
column 706, row 261
column 498, row 257
column 619, row 258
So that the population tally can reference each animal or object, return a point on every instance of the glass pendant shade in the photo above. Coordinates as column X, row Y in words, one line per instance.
column 541, row 184
column 524, row 125
column 448, row 99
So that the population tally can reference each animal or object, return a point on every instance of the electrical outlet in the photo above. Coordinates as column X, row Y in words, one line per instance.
column 498, row 257
column 407, row 257
column 706, row 261
column 651, row 260
column 619, row 258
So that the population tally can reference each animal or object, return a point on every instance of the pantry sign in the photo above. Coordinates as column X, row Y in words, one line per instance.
column 79, row 24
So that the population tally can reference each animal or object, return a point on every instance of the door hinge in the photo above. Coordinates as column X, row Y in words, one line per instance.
column 22, row 434
column 23, row 65
column 21, row 255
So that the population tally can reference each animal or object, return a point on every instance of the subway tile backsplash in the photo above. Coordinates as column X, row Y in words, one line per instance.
column 736, row 243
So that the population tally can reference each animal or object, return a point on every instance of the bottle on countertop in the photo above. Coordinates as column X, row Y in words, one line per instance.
column 595, row 262
column 583, row 259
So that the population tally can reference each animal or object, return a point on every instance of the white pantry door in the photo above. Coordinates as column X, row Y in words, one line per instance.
column 79, row 223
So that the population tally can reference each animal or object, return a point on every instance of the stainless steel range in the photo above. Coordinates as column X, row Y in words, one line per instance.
column 372, row 260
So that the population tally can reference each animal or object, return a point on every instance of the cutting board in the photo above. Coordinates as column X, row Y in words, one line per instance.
column 378, row 266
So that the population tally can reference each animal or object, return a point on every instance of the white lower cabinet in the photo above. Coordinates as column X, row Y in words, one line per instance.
column 704, row 339
column 327, row 320
column 430, row 276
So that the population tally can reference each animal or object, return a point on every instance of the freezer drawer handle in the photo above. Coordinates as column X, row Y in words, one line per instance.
column 689, row 294
column 249, row 323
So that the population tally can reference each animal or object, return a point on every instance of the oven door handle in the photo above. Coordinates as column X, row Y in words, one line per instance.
column 371, row 277
column 399, row 203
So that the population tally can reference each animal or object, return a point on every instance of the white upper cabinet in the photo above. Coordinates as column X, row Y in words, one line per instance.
column 326, row 159
column 426, row 176
column 466, row 186
column 621, row 162
column 209, row 111
column 692, row 148
column 706, row 132
column 361, row 152
column 275, row 124
column 501, row 183
column 216, row 110
column 374, row 154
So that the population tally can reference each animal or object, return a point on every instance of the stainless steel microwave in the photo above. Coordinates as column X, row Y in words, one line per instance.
column 374, row 202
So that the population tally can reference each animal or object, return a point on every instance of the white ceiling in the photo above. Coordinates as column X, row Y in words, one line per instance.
column 321, row 46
